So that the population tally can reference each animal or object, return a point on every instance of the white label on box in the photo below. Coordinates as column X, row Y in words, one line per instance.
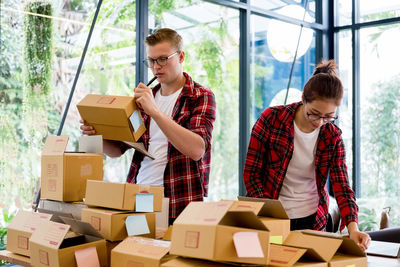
column 86, row 170
column 144, row 202
column 91, row 144
column 136, row 225
column 247, row 245
column 135, row 120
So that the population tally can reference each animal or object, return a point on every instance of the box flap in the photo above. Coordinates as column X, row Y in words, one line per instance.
column 350, row 247
column 50, row 234
column 81, row 227
column 247, row 206
column 91, row 144
column 28, row 221
column 244, row 219
column 272, row 207
column 55, row 145
column 203, row 213
column 144, row 247
column 139, row 147
column 284, row 255
column 56, row 215
column 319, row 247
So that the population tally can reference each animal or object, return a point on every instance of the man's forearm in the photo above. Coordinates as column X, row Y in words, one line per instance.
column 111, row 148
column 186, row 141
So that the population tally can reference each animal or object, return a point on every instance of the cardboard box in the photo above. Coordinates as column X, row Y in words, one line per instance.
column 113, row 117
column 348, row 253
column 111, row 223
column 270, row 212
column 110, row 246
column 140, row 251
column 189, row 262
column 333, row 249
column 284, row 256
column 51, row 245
column 120, row 196
column 207, row 230
column 64, row 174
column 21, row 228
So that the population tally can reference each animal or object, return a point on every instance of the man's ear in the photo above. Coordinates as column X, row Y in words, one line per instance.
column 302, row 98
column 181, row 57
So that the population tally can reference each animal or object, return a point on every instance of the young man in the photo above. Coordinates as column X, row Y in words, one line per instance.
column 179, row 115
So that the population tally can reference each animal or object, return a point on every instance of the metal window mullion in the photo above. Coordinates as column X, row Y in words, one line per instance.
column 244, row 93
column 356, row 99
column 142, row 30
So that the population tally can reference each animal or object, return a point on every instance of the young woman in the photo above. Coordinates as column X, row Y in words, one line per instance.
column 293, row 150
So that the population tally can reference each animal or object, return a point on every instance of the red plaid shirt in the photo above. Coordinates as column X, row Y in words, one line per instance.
column 269, row 153
column 185, row 180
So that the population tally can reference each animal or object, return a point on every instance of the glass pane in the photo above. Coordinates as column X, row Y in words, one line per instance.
column 343, row 10
column 211, row 42
column 272, row 54
column 295, row 9
column 371, row 10
column 346, row 108
column 380, row 121
column 38, row 66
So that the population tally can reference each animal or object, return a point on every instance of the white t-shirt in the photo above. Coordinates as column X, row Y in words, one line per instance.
column 151, row 172
column 299, row 194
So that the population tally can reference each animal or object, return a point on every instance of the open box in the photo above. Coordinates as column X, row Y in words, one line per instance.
column 333, row 249
column 270, row 212
column 207, row 230
column 21, row 228
column 52, row 244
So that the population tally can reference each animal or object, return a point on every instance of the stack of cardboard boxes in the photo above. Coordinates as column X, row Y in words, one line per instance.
column 122, row 209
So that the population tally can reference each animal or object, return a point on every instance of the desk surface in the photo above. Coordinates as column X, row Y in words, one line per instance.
column 373, row 261
column 10, row 257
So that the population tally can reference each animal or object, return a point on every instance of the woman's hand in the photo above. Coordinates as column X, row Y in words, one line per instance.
column 362, row 239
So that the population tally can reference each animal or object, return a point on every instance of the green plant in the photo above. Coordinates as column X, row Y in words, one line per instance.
column 7, row 218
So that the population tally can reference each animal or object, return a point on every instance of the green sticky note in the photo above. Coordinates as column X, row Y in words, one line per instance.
column 276, row 239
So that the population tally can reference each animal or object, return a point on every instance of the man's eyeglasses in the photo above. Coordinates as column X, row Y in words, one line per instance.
column 161, row 61
column 315, row 117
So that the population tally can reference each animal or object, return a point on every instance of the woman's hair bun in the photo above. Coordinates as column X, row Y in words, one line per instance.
column 326, row 66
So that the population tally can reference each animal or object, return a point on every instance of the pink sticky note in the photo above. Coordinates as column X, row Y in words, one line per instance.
column 247, row 245
column 87, row 257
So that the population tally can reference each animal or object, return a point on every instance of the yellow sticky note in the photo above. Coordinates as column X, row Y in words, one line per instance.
column 276, row 239
column 351, row 265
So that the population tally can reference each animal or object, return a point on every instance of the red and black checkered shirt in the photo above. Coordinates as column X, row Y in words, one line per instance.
column 185, row 180
column 271, row 149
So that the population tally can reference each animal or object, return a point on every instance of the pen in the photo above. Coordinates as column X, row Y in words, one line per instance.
column 151, row 81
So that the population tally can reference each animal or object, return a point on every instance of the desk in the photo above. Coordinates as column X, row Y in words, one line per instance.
column 10, row 257
column 373, row 261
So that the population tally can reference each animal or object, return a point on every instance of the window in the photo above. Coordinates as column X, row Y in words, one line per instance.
column 272, row 54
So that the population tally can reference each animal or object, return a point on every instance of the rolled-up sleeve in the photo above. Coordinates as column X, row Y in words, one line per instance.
column 203, row 116
column 340, row 184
